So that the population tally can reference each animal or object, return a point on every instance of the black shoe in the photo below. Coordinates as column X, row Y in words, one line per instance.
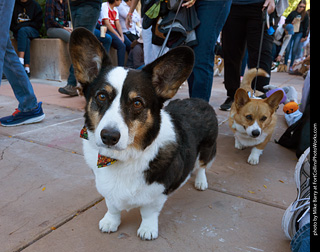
column 226, row 106
column 68, row 90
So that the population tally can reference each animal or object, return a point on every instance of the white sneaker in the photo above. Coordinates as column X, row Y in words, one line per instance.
column 301, row 206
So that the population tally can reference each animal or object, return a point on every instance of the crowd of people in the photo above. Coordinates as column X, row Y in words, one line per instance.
column 254, row 32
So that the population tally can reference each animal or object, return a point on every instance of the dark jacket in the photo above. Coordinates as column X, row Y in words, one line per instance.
column 94, row 3
column 56, row 14
column 26, row 14
column 303, row 24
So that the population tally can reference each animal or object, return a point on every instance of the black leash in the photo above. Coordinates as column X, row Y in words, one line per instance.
column 265, row 16
column 168, row 34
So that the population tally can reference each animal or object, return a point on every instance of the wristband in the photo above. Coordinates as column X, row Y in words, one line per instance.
column 129, row 14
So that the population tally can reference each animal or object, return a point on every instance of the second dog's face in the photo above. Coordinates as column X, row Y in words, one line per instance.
column 123, row 105
column 255, row 115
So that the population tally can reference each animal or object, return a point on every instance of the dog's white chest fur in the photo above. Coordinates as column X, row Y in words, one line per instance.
column 243, row 137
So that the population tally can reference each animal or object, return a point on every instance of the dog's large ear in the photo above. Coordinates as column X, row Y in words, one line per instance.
column 87, row 55
column 171, row 70
column 274, row 99
column 241, row 98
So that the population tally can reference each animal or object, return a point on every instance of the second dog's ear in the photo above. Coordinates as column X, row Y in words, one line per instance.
column 241, row 98
column 87, row 55
column 274, row 100
column 171, row 70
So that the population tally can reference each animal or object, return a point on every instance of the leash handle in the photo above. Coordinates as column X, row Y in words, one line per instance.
column 264, row 18
column 168, row 34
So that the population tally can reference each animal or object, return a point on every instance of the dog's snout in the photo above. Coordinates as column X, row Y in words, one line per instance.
column 110, row 137
column 255, row 133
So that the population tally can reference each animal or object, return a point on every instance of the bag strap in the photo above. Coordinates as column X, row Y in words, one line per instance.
column 168, row 34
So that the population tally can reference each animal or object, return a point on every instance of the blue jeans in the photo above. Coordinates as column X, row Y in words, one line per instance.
column 23, row 37
column 82, row 16
column 212, row 16
column 294, row 44
column 106, row 41
column 121, row 47
column 301, row 240
column 10, row 64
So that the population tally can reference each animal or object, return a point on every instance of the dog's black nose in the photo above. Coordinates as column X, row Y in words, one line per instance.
column 255, row 133
column 110, row 136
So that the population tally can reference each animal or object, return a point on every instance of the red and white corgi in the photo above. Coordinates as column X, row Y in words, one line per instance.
column 145, row 151
column 253, row 120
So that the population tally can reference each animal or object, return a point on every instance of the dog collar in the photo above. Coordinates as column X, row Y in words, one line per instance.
column 103, row 161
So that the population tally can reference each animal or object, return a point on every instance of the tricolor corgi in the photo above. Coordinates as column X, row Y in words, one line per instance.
column 253, row 120
column 140, row 152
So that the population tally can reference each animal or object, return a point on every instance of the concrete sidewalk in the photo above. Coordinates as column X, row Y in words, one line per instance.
column 48, row 199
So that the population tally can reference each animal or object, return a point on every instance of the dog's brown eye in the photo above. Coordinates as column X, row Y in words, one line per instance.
column 102, row 97
column 249, row 117
column 137, row 104
column 262, row 119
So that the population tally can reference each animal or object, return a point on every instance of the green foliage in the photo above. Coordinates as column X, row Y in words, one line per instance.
column 43, row 31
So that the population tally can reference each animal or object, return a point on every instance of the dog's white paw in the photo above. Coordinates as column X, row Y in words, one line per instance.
column 201, row 180
column 201, row 185
column 253, row 159
column 238, row 145
column 254, row 156
column 109, row 224
column 148, row 232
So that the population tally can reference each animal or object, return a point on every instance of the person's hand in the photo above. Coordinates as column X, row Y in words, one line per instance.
column 303, row 39
column 278, row 58
column 188, row 3
column 128, row 20
column 121, row 38
column 270, row 5
column 69, row 29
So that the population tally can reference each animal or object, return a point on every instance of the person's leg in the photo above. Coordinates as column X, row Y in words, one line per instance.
column 212, row 16
column 17, row 77
column 82, row 16
column 288, row 50
column 301, row 240
column 119, row 46
column 64, row 35
column 23, row 38
column 85, row 16
column 29, row 111
column 27, row 53
column 233, row 45
column 254, row 28
column 295, row 48
column 147, row 45
column 6, row 9
column 59, row 33
column 18, row 80
column 244, row 62
column 106, row 41
column 127, row 42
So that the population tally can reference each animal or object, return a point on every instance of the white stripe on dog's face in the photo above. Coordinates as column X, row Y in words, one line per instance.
column 113, row 118
column 254, row 130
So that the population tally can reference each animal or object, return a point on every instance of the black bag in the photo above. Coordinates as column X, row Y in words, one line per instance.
column 297, row 136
